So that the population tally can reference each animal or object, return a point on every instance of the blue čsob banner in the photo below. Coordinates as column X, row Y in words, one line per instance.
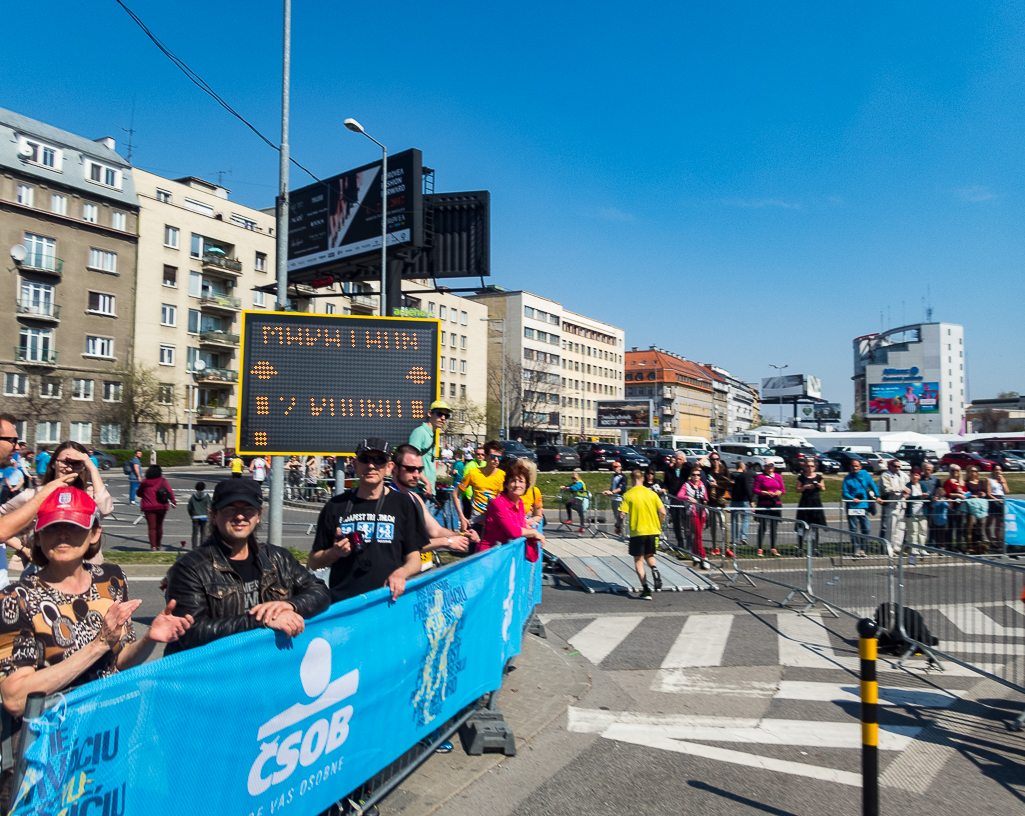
column 260, row 724
column 1014, row 522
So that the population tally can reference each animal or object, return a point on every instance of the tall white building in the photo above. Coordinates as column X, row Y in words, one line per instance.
column 911, row 378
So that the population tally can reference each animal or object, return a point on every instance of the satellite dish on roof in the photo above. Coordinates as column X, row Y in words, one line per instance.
column 19, row 253
column 26, row 150
column 199, row 365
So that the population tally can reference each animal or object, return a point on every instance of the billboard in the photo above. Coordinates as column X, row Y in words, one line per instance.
column 319, row 384
column 828, row 411
column 791, row 385
column 903, row 398
column 624, row 414
column 339, row 219
column 457, row 236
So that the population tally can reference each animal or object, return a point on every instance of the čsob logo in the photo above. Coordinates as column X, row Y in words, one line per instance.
column 279, row 757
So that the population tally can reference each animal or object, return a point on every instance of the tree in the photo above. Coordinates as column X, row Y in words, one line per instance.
column 532, row 389
column 1008, row 395
column 468, row 419
column 139, row 400
column 857, row 423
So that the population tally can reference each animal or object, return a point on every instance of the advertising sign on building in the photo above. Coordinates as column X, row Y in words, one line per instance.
column 791, row 385
column 624, row 414
column 903, row 398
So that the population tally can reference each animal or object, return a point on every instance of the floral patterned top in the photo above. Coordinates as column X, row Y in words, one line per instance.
column 40, row 625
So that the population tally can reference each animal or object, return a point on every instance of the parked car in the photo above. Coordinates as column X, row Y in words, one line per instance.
column 595, row 455
column 227, row 455
column 963, row 460
column 886, row 457
column 1008, row 461
column 631, row 458
column 518, row 450
column 916, row 455
column 694, row 455
column 658, row 458
column 754, row 456
column 105, row 461
column 794, row 455
column 826, row 465
column 557, row 457
column 844, row 457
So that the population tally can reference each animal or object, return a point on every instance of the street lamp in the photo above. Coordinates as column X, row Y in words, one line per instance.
column 356, row 127
column 501, row 320
column 780, row 368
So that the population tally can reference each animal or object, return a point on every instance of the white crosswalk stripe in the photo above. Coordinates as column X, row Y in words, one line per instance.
column 701, row 642
column 973, row 621
column 804, row 642
column 597, row 640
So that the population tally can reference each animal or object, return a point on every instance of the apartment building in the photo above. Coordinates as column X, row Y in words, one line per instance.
column 682, row 391
column 202, row 260
column 558, row 364
column 68, row 227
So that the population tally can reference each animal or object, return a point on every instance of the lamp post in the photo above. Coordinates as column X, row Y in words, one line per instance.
column 501, row 320
column 780, row 368
column 356, row 127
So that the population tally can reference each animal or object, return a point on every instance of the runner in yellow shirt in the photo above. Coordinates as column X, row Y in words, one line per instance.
column 647, row 513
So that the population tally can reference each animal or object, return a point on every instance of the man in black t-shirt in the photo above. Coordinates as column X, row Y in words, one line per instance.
column 390, row 531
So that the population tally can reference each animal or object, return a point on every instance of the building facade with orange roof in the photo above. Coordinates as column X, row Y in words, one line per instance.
column 682, row 391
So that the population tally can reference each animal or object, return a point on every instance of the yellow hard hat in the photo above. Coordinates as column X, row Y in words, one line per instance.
column 440, row 405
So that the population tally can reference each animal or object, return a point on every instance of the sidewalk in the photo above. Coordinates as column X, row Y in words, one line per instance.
column 545, row 681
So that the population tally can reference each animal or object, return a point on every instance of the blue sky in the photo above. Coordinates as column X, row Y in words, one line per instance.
column 745, row 184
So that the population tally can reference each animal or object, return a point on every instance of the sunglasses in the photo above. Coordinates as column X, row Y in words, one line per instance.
column 11, row 439
column 494, row 456
column 366, row 459
column 71, row 463
column 442, row 414
column 412, row 468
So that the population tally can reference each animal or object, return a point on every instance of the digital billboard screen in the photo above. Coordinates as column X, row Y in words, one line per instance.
column 904, row 398
column 339, row 219
column 624, row 414
column 791, row 385
column 318, row 384
column 827, row 410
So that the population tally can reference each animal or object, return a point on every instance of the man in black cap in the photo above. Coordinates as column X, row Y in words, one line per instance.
column 233, row 584
column 370, row 537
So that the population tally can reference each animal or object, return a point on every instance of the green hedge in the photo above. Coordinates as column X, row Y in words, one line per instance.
column 165, row 458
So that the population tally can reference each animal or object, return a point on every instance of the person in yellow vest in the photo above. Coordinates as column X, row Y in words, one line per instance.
column 237, row 466
column 647, row 514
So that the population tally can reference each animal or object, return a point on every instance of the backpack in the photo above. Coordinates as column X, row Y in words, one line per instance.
column 890, row 639
column 163, row 495
column 127, row 468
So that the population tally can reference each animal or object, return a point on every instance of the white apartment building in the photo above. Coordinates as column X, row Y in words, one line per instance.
column 558, row 364
column 741, row 402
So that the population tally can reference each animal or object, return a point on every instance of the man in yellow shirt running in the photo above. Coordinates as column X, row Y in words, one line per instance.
column 647, row 513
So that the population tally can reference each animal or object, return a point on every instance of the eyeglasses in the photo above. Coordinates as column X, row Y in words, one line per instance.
column 412, row 468
column 12, row 440
column 74, row 464
column 366, row 459
column 248, row 510
column 442, row 414
column 494, row 456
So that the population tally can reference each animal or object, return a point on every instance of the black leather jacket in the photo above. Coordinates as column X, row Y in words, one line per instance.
column 205, row 586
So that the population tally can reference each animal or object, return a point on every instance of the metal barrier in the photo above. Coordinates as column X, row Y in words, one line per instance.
column 971, row 607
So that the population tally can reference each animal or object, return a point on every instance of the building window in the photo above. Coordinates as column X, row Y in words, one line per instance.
column 194, row 321
column 103, row 260
column 107, row 176
column 58, row 204
column 111, row 391
column 82, row 432
column 171, row 236
column 35, row 345
column 260, row 264
column 430, row 307
column 242, row 221
column 90, row 212
column 462, row 318
column 168, row 315
column 443, row 338
column 199, row 207
column 442, row 312
column 442, row 366
column 110, row 434
column 163, row 196
column 452, row 365
column 99, row 346
column 462, row 341
column 462, row 366
column 101, row 304
column 259, row 298
column 41, row 154
column 451, row 389
column 195, row 284
column 82, row 390
column 15, row 385
column 171, row 276
column 118, row 220
column 48, row 433
column 528, row 312
column 462, row 392
column 166, row 355
column 26, row 195
column 528, row 333
column 165, row 394
column 50, row 388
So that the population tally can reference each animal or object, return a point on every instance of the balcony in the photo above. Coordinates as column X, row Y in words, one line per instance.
column 221, row 264
column 218, row 302
column 216, row 413
column 218, row 338
column 224, row 376
column 363, row 304
column 40, row 262
column 50, row 312
column 35, row 356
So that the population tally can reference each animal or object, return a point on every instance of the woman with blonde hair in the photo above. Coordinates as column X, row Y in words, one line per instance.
column 505, row 518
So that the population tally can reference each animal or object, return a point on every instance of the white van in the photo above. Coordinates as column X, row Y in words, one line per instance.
column 695, row 443
column 754, row 456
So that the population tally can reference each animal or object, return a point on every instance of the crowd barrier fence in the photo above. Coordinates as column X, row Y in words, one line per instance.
column 261, row 723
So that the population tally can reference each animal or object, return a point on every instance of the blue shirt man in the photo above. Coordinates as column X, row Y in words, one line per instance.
column 857, row 489
column 42, row 460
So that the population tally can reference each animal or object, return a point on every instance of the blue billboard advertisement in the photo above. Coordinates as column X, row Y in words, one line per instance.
column 904, row 398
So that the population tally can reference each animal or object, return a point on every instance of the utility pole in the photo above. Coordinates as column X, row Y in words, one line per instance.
column 277, row 470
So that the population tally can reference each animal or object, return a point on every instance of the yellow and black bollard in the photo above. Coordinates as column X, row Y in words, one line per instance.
column 868, row 646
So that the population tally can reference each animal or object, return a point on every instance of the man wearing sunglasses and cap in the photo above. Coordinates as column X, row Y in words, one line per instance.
column 370, row 537
column 233, row 583
column 423, row 439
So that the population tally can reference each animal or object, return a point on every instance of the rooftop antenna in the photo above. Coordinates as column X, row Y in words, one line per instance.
column 130, row 130
column 928, row 308
column 220, row 176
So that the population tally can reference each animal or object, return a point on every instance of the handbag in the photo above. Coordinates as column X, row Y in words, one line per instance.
column 163, row 495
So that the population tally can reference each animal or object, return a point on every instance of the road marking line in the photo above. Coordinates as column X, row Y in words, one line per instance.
column 597, row 640
column 650, row 740
column 1013, row 649
column 701, row 642
column 971, row 621
column 684, row 681
column 804, row 643
column 850, row 693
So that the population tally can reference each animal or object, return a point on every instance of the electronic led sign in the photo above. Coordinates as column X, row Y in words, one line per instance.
column 318, row 384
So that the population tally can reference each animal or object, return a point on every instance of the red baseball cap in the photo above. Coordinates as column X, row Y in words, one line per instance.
column 69, row 505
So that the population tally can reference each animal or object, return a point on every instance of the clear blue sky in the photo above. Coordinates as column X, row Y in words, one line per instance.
column 747, row 183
